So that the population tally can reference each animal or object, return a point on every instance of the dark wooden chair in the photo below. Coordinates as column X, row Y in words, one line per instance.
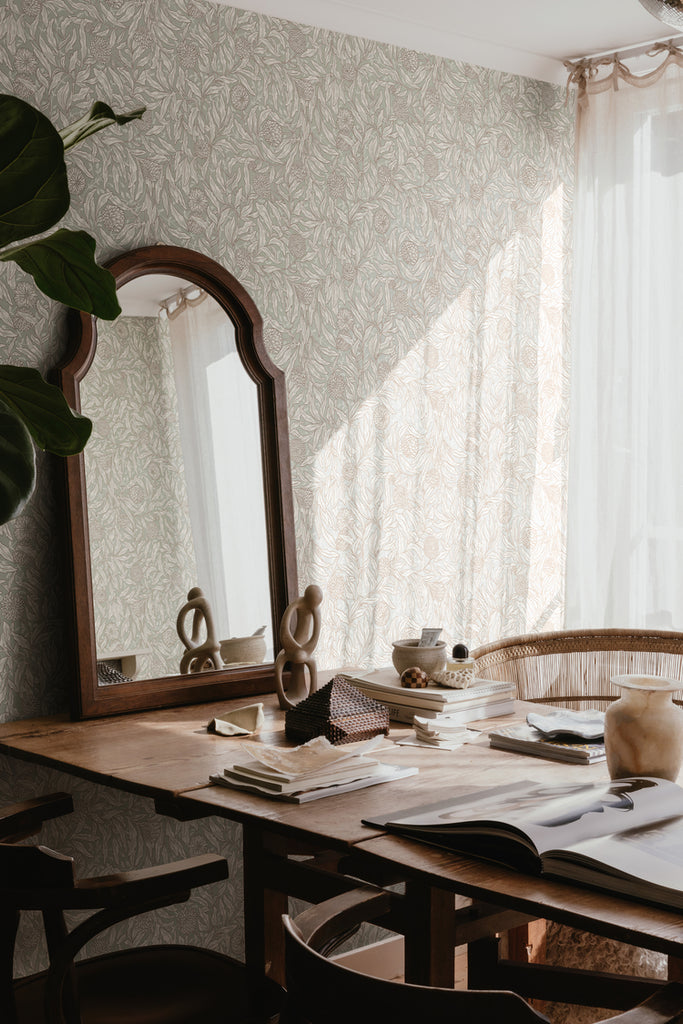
column 164, row 984
column 320, row 991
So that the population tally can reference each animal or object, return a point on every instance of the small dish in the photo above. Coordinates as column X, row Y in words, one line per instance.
column 585, row 725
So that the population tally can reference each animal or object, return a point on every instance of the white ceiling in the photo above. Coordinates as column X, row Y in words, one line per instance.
column 526, row 37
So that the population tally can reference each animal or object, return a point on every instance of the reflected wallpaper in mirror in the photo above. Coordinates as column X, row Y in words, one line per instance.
column 174, row 481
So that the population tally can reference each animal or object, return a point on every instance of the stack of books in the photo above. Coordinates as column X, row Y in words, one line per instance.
column 308, row 772
column 484, row 698
column 441, row 732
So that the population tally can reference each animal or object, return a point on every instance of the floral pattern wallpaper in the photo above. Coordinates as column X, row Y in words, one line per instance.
column 403, row 224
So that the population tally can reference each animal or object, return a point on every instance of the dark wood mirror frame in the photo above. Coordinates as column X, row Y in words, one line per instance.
column 90, row 699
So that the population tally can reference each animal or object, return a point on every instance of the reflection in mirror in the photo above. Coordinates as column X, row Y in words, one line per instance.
column 168, row 499
column 174, row 482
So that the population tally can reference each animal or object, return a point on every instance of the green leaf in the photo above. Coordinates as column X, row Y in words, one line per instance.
column 44, row 410
column 17, row 464
column 63, row 266
column 98, row 117
column 34, row 193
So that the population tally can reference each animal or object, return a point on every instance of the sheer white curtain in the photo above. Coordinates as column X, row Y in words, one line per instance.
column 220, row 435
column 625, row 489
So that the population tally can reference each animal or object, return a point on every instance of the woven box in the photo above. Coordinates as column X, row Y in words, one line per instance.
column 338, row 711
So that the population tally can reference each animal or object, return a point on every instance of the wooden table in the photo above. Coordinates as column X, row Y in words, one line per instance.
column 303, row 850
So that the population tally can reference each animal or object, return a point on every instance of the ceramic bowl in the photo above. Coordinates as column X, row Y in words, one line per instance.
column 245, row 650
column 406, row 654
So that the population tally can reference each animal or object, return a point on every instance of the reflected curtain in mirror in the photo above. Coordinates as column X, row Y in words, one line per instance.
column 216, row 401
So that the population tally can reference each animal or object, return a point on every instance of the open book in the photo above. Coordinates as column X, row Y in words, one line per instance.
column 624, row 836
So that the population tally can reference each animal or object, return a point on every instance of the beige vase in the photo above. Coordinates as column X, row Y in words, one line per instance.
column 644, row 728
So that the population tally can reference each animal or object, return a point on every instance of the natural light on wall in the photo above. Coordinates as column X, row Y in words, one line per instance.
column 440, row 500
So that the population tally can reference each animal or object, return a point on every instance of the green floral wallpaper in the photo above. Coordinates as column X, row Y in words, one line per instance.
column 402, row 222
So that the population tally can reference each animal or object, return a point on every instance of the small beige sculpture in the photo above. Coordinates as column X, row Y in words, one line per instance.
column 200, row 656
column 299, row 632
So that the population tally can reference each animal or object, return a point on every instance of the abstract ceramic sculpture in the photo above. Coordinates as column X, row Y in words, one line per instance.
column 459, row 670
column 201, row 655
column 242, row 722
column 299, row 632
column 644, row 728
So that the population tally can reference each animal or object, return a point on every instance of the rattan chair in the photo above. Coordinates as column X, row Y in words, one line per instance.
column 320, row 991
column 575, row 666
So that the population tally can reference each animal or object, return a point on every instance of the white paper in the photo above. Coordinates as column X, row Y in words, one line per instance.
column 308, row 758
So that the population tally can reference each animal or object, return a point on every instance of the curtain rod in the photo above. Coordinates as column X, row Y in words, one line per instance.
column 636, row 50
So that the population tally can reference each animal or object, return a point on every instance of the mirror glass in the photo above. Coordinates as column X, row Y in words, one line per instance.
column 185, row 483
column 174, row 482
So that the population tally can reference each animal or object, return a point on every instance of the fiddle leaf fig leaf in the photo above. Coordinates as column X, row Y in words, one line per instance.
column 34, row 192
column 17, row 464
column 43, row 410
column 98, row 117
column 63, row 267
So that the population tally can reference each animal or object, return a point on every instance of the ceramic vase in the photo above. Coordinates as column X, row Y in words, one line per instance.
column 644, row 728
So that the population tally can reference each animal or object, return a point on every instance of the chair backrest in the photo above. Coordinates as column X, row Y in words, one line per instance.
column 26, row 818
column 575, row 664
column 321, row 991
column 34, row 877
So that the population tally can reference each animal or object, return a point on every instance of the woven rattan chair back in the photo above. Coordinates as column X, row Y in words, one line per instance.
column 574, row 667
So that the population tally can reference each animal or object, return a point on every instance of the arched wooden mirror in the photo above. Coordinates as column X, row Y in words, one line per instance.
column 185, row 482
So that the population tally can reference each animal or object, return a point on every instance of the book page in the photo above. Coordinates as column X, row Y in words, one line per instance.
column 311, row 757
column 552, row 817
column 640, row 862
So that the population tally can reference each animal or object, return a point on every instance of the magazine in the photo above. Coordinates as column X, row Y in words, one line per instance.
column 525, row 739
column 624, row 836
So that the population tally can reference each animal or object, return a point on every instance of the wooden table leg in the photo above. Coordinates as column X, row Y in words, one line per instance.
column 263, row 910
column 675, row 969
column 430, row 935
